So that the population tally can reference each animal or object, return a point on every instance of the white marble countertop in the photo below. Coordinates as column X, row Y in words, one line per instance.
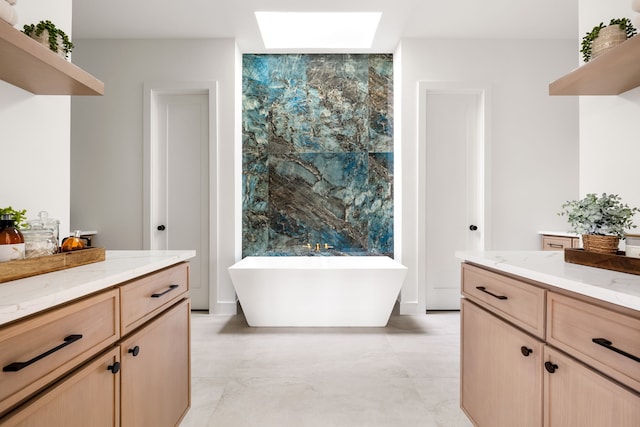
column 20, row 298
column 549, row 267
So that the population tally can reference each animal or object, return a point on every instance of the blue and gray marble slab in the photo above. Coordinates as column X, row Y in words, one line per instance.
column 317, row 153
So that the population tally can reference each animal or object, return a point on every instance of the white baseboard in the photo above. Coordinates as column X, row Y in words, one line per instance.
column 225, row 308
column 409, row 308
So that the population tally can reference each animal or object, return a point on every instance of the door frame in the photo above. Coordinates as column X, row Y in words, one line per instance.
column 483, row 166
column 150, row 143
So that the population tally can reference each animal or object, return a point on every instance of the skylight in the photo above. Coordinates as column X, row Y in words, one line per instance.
column 318, row 30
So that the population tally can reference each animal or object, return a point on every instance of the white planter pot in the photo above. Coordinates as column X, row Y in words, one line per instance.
column 43, row 39
column 608, row 37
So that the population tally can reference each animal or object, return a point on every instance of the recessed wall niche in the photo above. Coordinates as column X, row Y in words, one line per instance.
column 317, row 153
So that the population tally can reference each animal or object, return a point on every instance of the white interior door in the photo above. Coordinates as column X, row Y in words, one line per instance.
column 180, row 184
column 453, row 131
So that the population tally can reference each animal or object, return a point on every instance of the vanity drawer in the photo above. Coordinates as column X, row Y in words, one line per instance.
column 603, row 338
column 520, row 303
column 143, row 298
column 36, row 351
column 559, row 243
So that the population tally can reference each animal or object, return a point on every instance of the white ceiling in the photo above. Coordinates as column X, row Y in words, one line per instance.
column 401, row 19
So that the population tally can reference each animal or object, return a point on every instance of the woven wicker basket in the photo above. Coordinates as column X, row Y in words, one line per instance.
column 608, row 37
column 600, row 244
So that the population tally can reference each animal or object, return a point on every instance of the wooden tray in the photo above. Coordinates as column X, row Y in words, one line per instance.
column 12, row 270
column 618, row 262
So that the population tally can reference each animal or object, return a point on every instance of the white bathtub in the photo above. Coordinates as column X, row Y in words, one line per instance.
column 317, row 290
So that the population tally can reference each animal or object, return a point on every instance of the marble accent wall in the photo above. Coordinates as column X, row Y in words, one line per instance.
column 317, row 165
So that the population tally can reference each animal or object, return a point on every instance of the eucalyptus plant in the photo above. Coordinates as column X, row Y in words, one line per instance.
column 604, row 215
column 54, row 32
column 587, row 41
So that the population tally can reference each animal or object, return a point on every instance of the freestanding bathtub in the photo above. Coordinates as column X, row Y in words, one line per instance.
column 317, row 290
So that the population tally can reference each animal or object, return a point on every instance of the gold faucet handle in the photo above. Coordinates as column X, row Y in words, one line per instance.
column 326, row 246
column 308, row 245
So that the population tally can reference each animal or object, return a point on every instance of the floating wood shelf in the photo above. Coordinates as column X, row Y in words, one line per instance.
column 612, row 73
column 32, row 67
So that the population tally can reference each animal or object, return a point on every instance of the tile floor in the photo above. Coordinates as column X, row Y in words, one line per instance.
column 406, row 374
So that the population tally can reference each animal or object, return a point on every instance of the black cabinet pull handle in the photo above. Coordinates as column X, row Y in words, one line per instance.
column 16, row 366
column 171, row 287
column 135, row 351
column 115, row 368
column 525, row 351
column 483, row 289
column 550, row 367
column 608, row 344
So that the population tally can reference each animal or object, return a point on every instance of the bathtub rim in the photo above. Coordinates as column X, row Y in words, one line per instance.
column 374, row 262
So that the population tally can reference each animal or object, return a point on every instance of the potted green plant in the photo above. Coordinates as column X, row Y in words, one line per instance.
column 19, row 217
column 602, row 220
column 601, row 37
column 48, row 34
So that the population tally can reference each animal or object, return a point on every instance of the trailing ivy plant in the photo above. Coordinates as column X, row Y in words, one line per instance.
column 587, row 41
column 19, row 217
column 604, row 215
column 54, row 32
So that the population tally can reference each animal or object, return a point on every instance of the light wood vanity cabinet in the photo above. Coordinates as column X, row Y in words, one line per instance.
column 155, row 376
column 501, row 371
column 581, row 368
column 559, row 243
column 101, row 376
column 598, row 336
column 144, row 298
column 89, row 397
column 520, row 303
column 35, row 352
column 576, row 395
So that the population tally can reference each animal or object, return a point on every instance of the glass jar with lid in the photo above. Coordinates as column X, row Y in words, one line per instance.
column 632, row 245
column 44, row 222
column 39, row 241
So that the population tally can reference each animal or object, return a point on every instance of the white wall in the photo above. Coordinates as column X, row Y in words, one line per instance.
column 609, row 143
column 107, row 140
column 535, row 159
column 35, row 133
column 534, row 148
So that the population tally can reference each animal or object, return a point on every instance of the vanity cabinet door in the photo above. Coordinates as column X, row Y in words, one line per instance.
column 501, row 371
column 155, row 377
column 88, row 397
column 577, row 396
